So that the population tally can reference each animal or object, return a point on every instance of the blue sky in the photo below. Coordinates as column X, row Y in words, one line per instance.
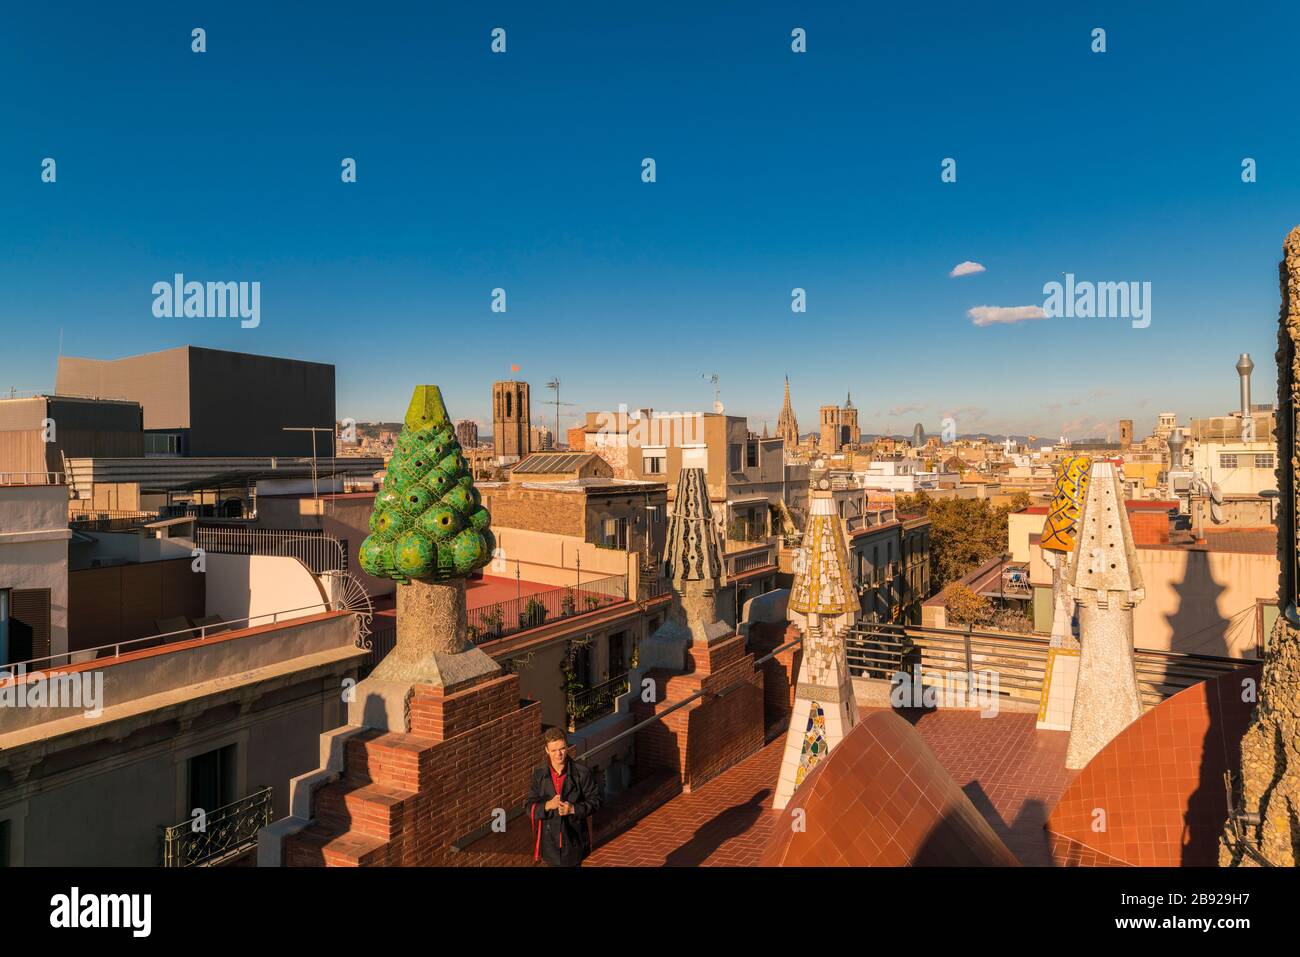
column 775, row 170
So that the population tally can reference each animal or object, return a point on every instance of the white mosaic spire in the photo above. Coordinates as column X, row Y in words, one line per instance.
column 823, row 605
column 1105, row 581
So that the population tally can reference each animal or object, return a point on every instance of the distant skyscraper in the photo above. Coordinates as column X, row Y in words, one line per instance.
column 541, row 439
column 467, row 433
column 787, row 427
column 511, row 419
column 918, row 435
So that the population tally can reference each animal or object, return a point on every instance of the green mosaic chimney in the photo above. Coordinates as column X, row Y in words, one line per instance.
column 428, row 522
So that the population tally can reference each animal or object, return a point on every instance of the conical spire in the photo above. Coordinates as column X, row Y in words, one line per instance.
column 823, row 605
column 787, row 427
column 822, row 584
column 1104, row 569
column 1105, row 581
column 692, row 551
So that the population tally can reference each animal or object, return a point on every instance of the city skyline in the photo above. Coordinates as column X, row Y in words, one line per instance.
column 776, row 171
column 680, row 435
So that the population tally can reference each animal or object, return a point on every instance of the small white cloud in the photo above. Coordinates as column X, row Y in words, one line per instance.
column 905, row 409
column 1006, row 315
column 967, row 268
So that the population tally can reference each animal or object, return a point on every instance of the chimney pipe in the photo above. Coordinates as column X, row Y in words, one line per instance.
column 1244, row 369
column 1175, row 441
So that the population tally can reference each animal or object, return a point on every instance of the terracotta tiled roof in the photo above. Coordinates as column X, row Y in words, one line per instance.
column 1012, row 773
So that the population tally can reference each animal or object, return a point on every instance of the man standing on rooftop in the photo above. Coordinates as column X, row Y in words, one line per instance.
column 561, row 799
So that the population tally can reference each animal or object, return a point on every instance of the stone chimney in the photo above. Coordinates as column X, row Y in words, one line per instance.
column 693, row 565
column 696, row 657
column 1105, row 582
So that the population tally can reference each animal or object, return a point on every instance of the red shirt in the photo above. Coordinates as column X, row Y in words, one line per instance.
column 558, row 781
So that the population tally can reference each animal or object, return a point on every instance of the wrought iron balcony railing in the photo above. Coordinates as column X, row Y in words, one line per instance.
column 594, row 703
column 502, row 618
column 222, row 834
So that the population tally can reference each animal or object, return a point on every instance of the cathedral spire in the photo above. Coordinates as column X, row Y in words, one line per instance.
column 787, row 427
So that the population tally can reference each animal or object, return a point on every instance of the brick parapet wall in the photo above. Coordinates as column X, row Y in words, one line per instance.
column 712, row 733
column 780, row 674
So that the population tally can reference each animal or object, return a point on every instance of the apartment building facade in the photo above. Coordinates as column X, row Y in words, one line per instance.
column 34, row 537
column 213, row 403
column 889, row 558
column 748, row 480
column 168, row 754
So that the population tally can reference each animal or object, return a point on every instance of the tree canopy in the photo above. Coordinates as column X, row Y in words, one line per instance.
column 964, row 532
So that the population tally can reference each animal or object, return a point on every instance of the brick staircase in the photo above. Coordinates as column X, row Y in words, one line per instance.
column 402, row 799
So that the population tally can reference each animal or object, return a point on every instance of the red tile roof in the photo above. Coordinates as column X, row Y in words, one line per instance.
column 882, row 799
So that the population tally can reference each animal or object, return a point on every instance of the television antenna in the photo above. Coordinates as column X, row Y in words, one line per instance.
column 554, row 385
column 313, row 429
column 717, row 390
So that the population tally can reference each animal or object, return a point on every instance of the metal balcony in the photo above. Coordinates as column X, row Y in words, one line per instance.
column 225, row 833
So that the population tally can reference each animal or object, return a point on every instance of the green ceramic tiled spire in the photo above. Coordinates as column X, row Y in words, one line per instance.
column 428, row 522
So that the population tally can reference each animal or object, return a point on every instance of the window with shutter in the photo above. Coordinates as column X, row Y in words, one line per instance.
column 29, row 623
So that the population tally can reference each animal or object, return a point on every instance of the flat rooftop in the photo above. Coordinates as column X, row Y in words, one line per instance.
column 1241, row 541
column 581, row 486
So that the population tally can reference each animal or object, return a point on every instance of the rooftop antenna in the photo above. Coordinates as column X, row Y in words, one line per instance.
column 554, row 384
column 313, row 429
column 717, row 391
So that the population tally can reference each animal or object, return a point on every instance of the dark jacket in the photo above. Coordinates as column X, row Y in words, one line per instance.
column 562, row 840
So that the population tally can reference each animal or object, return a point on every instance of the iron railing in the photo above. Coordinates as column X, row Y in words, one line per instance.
column 747, row 556
column 119, row 648
column 490, row 622
column 653, row 586
column 671, row 706
column 1020, row 661
column 319, row 552
column 382, row 640
column 219, row 835
column 109, row 519
column 594, row 703
column 32, row 478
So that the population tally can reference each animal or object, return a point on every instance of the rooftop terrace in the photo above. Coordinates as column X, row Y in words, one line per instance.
column 1012, row 773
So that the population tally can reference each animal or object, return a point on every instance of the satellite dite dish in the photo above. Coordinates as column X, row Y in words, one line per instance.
column 1216, row 494
column 719, row 408
column 819, row 464
column 1216, row 513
